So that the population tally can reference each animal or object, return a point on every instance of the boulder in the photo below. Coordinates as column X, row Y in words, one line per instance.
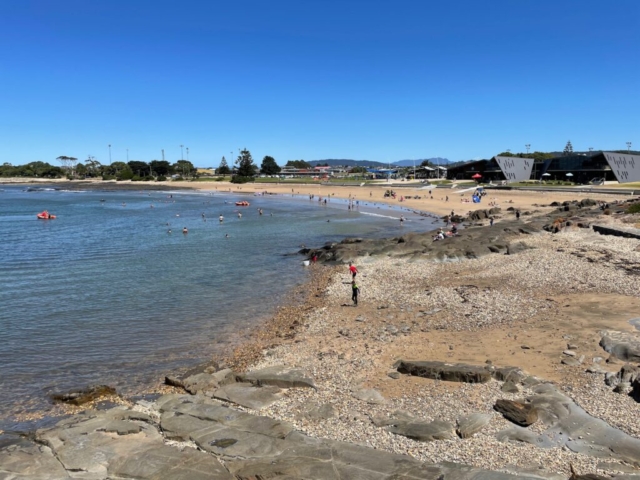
column 444, row 371
column 472, row 424
column 368, row 395
column 520, row 413
column 200, row 382
column 279, row 376
column 510, row 387
column 424, row 431
column 622, row 345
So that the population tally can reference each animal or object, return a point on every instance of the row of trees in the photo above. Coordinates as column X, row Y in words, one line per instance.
column 92, row 168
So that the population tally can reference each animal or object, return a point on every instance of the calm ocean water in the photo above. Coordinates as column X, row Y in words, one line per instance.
column 104, row 294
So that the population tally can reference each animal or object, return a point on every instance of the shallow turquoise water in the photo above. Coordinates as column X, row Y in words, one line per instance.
column 104, row 294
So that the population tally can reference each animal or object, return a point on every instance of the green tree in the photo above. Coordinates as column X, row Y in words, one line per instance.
column 568, row 149
column 425, row 163
column 82, row 170
column 298, row 164
column 184, row 168
column 224, row 169
column 358, row 170
column 160, row 167
column 245, row 164
column 114, row 168
column 139, row 168
column 269, row 166
column 93, row 167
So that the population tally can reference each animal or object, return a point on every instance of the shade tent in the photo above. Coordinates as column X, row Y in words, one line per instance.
column 477, row 175
column 569, row 174
column 546, row 174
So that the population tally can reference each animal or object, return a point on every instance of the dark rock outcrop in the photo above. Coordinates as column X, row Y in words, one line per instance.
column 84, row 395
column 444, row 371
column 520, row 413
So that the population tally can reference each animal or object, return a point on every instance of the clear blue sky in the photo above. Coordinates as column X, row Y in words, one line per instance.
column 314, row 79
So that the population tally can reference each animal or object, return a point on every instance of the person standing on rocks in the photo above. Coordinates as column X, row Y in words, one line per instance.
column 491, row 221
column 517, row 214
column 353, row 270
column 354, row 292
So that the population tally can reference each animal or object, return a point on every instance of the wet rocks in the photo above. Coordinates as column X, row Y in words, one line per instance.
column 84, row 395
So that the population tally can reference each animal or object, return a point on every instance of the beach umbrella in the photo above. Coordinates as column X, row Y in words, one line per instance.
column 569, row 174
column 477, row 175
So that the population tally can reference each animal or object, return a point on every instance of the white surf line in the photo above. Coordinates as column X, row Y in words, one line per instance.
column 378, row 215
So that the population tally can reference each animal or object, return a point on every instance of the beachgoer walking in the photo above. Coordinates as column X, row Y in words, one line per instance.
column 354, row 292
column 491, row 221
column 353, row 270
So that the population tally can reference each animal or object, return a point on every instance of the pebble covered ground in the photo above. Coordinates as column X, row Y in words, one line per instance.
column 340, row 346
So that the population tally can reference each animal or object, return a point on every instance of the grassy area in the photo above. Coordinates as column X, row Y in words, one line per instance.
column 624, row 185
column 308, row 180
column 212, row 179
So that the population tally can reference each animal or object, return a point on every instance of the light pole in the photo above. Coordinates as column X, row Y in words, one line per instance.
column 181, row 152
column 528, row 146
column 628, row 147
column 187, row 154
column 127, row 155
column 414, row 168
column 110, row 154
column 163, row 154
column 590, row 149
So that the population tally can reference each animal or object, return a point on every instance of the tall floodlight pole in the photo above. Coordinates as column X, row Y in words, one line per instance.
column 414, row 168
column 628, row 146
column 187, row 154
column 181, row 152
column 590, row 149
column 163, row 154
column 110, row 154
column 528, row 146
column 127, row 155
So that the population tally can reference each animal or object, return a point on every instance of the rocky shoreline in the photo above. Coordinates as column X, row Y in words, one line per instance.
column 476, row 365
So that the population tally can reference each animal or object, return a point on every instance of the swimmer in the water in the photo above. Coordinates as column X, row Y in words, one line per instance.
column 169, row 231
column 239, row 215
column 226, row 235
column 184, row 230
column 221, row 219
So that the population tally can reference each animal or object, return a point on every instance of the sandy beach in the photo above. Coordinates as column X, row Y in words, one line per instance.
column 541, row 312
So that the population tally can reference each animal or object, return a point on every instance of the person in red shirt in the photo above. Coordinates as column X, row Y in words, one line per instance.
column 353, row 270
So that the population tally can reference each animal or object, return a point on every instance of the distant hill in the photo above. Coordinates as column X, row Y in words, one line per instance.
column 418, row 161
column 333, row 162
